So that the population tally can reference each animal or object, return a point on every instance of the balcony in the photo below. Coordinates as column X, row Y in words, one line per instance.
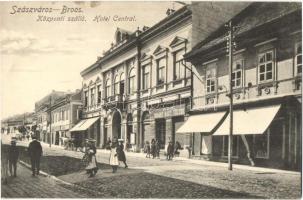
column 116, row 101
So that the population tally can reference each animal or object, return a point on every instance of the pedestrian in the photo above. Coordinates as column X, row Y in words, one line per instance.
column 157, row 148
column 113, row 158
column 108, row 144
column 121, row 153
column 91, row 151
column 177, row 147
column 27, row 136
column 147, row 149
column 13, row 155
column 170, row 151
column 35, row 153
column 4, row 163
column 153, row 148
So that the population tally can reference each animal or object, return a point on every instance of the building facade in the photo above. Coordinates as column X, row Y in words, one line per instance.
column 140, row 89
column 65, row 113
column 43, row 116
column 266, row 80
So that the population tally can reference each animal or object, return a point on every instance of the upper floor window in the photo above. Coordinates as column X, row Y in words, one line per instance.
column 298, row 58
column 266, row 66
column 92, row 96
column 161, row 65
column 131, row 81
column 116, row 85
column 145, row 71
column 85, row 98
column 211, row 79
column 178, row 67
column 99, row 94
column 107, row 88
column 236, row 77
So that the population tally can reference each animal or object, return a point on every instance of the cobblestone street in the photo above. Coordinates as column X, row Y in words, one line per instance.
column 180, row 178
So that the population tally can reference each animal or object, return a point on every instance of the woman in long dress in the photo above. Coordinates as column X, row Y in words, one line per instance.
column 113, row 158
column 90, row 155
column 121, row 153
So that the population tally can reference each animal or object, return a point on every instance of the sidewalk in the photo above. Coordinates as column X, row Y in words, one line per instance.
column 27, row 186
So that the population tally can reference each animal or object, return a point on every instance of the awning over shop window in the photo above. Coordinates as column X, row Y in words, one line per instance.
column 203, row 123
column 84, row 124
column 250, row 121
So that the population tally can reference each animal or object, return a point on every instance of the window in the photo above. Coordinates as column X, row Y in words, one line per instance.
column 116, row 85
column 145, row 77
column 85, row 98
column 211, row 80
column 178, row 67
column 92, row 96
column 266, row 64
column 67, row 115
column 234, row 148
column 298, row 58
column 262, row 145
column 236, row 77
column 107, row 88
column 131, row 81
column 161, row 63
column 99, row 94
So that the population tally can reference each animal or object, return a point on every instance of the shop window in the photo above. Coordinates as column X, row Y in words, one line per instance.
column 161, row 66
column 178, row 67
column 145, row 77
column 262, row 145
column 211, row 80
column 99, row 94
column 266, row 66
column 236, row 77
column 235, row 147
column 298, row 59
column 131, row 81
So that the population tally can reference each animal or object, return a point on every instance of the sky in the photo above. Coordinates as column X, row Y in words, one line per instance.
column 38, row 55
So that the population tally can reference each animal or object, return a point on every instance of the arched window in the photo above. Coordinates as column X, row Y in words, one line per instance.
column 116, row 85
column 122, row 77
column 131, row 81
column 107, row 88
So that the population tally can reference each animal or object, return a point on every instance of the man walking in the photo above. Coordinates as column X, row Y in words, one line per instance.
column 35, row 153
column 13, row 154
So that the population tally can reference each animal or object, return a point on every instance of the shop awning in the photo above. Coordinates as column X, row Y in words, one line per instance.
column 250, row 121
column 84, row 124
column 203, row 123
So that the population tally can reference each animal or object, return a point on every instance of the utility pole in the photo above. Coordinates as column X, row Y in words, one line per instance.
column 50, row 121
column 230, row 44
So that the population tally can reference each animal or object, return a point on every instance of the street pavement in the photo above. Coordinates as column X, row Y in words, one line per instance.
column 201, row 179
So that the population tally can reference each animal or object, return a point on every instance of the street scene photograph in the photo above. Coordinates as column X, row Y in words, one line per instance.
column 151, row 99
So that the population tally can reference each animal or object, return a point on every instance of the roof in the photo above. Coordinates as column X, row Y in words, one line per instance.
column 255, row 15
column 138, row 34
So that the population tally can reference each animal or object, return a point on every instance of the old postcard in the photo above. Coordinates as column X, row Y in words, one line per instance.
column 151, row 99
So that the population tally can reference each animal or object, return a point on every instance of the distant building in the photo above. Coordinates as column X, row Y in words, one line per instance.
column 42, row 114
column 65, row 113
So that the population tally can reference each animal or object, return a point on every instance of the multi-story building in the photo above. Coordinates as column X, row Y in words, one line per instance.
column 42, row 115
column 65, row 113
column 266, row 81
column 140, row 88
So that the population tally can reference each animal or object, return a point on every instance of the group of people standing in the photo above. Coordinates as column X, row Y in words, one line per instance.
column 10, row 156
column 117, row 155
column 153, row 148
